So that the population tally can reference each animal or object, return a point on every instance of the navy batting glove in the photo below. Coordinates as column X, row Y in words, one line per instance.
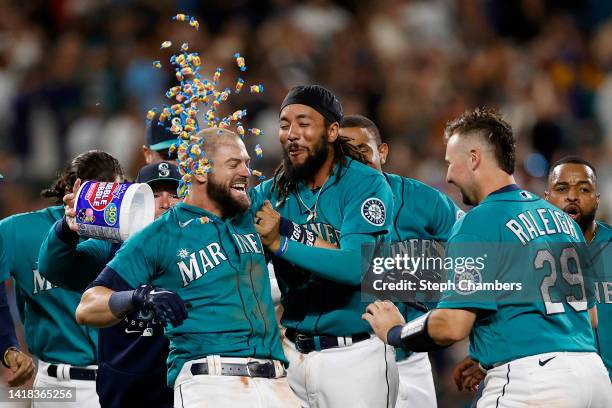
column 167, row 306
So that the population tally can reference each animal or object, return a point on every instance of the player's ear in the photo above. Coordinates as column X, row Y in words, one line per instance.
column 546, row 195
column 332, row 132
column 383, row 151
column 475, row 158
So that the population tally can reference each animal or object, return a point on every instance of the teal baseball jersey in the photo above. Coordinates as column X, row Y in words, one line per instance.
column 47, row 311
column 523, row 258
column 219, row 267
column 320, row 288
column 423, row 217
column 72, row 266
column 602, row 245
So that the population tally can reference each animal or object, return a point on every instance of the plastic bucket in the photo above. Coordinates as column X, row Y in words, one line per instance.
column 113, row 211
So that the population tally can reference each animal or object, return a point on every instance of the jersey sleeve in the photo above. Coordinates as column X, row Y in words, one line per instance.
column 69, row 264
column 259, row 194
column 137, row 260
column 442, row 214
column 470, row 262
column 368, row 207
column 8, row 338
column 6, row 250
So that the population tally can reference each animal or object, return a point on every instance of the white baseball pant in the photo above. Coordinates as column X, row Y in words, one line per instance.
column 362, row 375
column 86, row 396
column 416, row 388
column 551, row 380
column 220, row 391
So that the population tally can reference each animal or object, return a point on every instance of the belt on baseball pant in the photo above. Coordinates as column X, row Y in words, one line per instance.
column 76, row 373
column 265, row 369
column 305, row 343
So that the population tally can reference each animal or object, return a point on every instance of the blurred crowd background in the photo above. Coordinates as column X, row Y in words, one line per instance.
column 77, row 75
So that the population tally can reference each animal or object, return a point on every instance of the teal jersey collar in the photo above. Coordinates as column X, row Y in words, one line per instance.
column 192, row 211
column 511, row 192
column 308, row 199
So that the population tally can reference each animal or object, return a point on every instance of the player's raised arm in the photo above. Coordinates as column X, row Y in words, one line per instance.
column 364, row 222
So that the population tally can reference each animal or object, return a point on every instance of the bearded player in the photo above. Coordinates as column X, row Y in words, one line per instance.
column 321, row 193
column 226, row 351
column 66, row 352
column 422, row 218
column 537, row 351
column 131, row 355
column 572, row 186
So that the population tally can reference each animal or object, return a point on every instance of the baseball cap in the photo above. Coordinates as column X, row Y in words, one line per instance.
column 158, row 172
column 158, row 137
column 318, row 98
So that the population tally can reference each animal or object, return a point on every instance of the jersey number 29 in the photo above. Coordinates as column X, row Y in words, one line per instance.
column 573, row 278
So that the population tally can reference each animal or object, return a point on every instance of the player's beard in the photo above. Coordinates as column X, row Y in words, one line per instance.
column 584, row 219
column 222, row 195
column 316, row 157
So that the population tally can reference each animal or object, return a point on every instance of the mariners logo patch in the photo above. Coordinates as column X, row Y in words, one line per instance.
column 373, row 210
column 467, row 281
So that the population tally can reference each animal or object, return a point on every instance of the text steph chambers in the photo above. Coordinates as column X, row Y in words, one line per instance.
column 459, row 286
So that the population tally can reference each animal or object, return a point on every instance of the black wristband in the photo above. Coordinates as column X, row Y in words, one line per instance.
column 296, row 232
column 64, row 233
column 120, row 303
column 394, row 336
column 414, row 335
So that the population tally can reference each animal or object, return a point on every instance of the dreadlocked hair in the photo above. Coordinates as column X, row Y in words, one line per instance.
column 92, row 165
column 342, row 149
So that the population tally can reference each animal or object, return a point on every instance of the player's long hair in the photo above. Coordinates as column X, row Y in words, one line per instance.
column 283, row 185
column 92, row 165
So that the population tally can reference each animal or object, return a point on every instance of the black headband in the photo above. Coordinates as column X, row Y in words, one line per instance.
column 318, row 98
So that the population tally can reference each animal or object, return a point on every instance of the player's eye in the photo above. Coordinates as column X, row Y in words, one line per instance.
column 303, row 124
column 560, row 189
column 284, row 127
column 585, row 190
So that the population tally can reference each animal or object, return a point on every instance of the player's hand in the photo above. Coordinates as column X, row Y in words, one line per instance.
column 69, row 210
column 467, row 375
column 267, row 221
column 21, row 366
column 383, row 316
column 167, row 306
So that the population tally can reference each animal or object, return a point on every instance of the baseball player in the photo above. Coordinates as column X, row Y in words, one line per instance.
column 158, row 140
column 226, row 351
column 131, row 355
column 321, row 193
column 66, row 352
column 537, row 352
column 572, row 186
column 423, row 216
